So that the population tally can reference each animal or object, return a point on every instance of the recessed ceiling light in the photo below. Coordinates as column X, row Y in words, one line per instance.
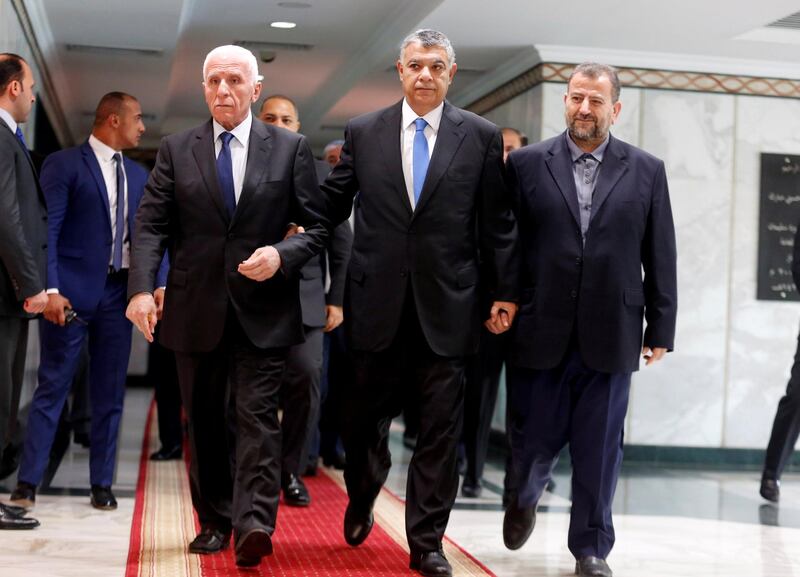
column 283, row 25
column 294, row 4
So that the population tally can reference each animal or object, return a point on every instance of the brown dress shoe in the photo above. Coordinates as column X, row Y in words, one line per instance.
column 252, row 546
column 592, row 567
column 518, row 524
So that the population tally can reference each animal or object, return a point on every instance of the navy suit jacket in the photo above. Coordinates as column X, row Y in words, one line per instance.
column 625, row 273
column 79, row 225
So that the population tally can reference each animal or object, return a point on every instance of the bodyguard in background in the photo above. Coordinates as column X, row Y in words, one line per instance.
column 23, row 251
column 431, row 195
column 599, row 257
column 300, row 391
column 92, row 194
column 786, row 427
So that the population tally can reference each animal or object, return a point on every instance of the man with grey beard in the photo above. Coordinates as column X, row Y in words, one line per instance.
column 598, row 258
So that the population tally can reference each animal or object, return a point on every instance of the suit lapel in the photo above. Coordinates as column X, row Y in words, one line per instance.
column 93, row 166
column 613, row 167
column 560, row 166
column 389, row 141
column 448, row 141
column 257, row 159
column 203, row 152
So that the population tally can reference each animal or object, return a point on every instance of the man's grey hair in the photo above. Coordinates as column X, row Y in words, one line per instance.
column 594, row 70
column 338, row 143
column 243, row 55
column 429, row 38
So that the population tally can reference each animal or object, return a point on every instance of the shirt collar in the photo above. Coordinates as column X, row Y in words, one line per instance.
column 576, row 152
column 6, row 115
column 241, row 131
column 101, row 149
column 433, row 118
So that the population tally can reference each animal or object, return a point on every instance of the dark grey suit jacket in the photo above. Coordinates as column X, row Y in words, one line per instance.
column 183, row 211
column 433, row 250
column 23, row 227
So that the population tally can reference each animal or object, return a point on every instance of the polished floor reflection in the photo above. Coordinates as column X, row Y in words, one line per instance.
column 669, row 522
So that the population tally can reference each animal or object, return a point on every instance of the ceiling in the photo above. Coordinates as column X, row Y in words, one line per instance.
column 338, row 61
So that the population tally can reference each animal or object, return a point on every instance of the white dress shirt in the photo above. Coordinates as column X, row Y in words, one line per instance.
column 108, row 166
column 238, row 145
column 6, row 116
column 407, row 131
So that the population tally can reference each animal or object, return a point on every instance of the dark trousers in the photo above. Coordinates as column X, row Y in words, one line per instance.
column 240, row 493
column 13, row 348
column 109, row 334
column 300, row 399
column 480, row 396
column 337, row 372
column 585, row 408
column 163, row 375
column 786, row 427
column 408, row 369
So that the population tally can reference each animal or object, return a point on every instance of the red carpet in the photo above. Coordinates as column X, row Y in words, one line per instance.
column 308, row 542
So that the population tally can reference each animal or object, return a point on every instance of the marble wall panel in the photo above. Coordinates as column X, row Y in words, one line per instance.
column 763, row 334
column 523, row 112
column 680, row 401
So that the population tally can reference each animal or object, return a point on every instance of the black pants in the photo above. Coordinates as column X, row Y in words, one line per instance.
column 300, row 400
column 13, row 348
column 408, row 369
column 163, row 375
column 243, row 492
column 786, row 427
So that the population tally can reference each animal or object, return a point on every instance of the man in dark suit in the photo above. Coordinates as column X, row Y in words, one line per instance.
column 300, row 391
column 23, row 252
column 594, row 215
column 219, row 199
column 786, row 427
column 431, row 195
column 92, row 193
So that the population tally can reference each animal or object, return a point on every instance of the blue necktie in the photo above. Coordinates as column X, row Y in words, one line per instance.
column 119, row 225
column 421, row 158
column 21, row 139
column 225, row 173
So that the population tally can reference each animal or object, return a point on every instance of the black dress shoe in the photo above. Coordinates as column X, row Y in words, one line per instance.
column 210, row 541
column 431, row 564
column 81, row 438
column 252, row 546
column 471, row 489
column 167, row 454
column 13, row 521
column 23, row 495
column 357, row 525
column 592, row 567
column 102, row 498
column 770, row 489
column 13, row 510
column 295, row 493
column 518, row 524
column 311, row 470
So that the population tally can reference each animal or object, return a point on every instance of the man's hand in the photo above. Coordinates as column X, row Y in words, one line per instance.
column 54, row 311
column 262, row 264
column 292, row 230
column 35, row 304
column 652, row 355
column 143, row 313
column 335, row 316
column 501, row 317
column 158, row 297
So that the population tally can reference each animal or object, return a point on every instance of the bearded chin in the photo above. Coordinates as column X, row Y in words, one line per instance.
column 579, row 133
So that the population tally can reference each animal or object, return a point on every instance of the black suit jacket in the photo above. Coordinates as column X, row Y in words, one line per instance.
column 796, row 258
column 463, row 208
column 626, row 271
column 23, row 227
column 183, row 210
column 312, row 276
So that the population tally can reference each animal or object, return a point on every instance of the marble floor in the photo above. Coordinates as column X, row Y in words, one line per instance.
column 670, row 523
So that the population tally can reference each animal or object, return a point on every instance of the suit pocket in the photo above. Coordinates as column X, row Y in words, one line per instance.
column 467, row 277
column 177, row 277
column 633, row 297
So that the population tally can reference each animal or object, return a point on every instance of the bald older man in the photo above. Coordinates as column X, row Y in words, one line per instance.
column 219, row 199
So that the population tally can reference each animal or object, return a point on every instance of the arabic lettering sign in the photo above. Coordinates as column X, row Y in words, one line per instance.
column 779, row 216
